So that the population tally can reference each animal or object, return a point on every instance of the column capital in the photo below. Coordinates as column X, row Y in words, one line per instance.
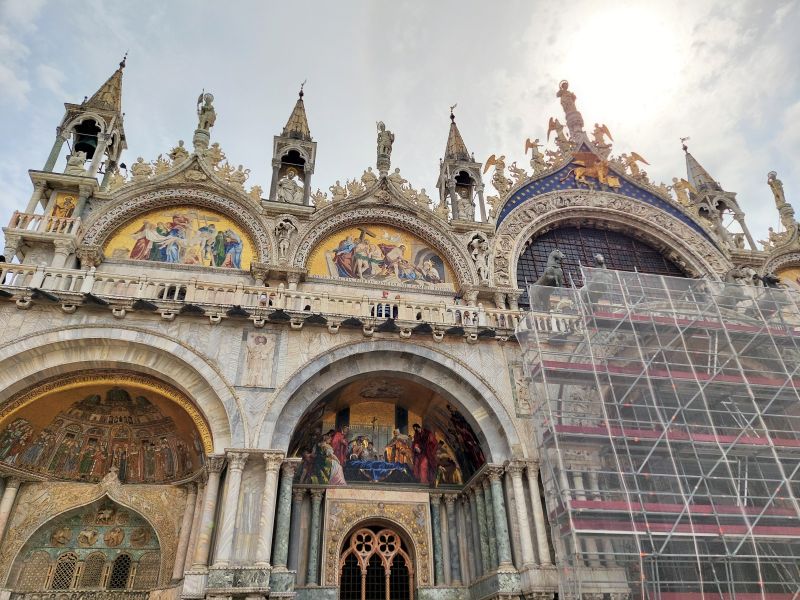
column 13, row 482
column 298, row 494
column 237, row 460
column 316, row 495
column 215, row 462
column 273, row 460
column 533, row 463
column 450, row 499
column 515, row 467
column 485, row 483
column 436, row 499
column 494, row 473
column 64, row 246
column 289, row 467
column 191, row 488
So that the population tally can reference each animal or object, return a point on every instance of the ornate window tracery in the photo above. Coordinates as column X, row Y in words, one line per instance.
column 374, row 566
column 35, row 572
column 120, row 572
column 64, row 574
column 580, row 244
column 92, row 573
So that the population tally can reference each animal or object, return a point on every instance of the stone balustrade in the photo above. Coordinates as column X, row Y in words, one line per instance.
column 218, row 297
column 43, row 224
column 81, row 594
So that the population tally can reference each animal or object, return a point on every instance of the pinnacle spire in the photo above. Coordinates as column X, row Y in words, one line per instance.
column 297, row 125
column 698, row 176
column 456, row 148
column 109, row 96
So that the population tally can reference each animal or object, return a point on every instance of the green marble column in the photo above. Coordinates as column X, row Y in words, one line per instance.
column 483, row 531
column 283, row 520
column 438, row 566
column 490, row 528
column 452, row 535
column 312, row 576
column 54, row 152
column 500, row 519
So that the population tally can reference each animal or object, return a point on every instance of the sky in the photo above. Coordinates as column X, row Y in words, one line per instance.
column 724, row 73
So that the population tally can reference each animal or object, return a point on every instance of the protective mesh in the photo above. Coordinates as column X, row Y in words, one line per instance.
column 667, row 413
column 147, row 571
column 34, row 572
column 93, row 570
column 120, row 572
column 65, row 571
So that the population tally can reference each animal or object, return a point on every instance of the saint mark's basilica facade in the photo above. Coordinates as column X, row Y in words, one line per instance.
column 213, row 390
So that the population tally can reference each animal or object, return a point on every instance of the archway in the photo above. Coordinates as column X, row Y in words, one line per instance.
column 375, row 564
column 99, row 546
column 461, row 387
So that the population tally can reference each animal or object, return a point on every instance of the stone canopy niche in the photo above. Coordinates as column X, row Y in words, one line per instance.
column 79, row 431
column 385, row 430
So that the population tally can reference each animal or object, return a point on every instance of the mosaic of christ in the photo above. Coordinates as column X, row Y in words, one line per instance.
column 386, row 431
column 382, row 254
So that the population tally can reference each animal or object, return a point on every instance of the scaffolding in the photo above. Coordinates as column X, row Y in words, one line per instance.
column 667, row 417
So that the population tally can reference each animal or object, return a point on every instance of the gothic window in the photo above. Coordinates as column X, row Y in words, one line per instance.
column 374, row 566
column 120, row 572
column 147, row 571
column 65, row 571
column 621, row 252
column 92, row 573
column 34, row 572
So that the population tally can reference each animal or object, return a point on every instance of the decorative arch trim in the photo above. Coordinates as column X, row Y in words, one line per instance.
column 652, row 225
column 450, row 246
column 103, row 226
column 455, row 381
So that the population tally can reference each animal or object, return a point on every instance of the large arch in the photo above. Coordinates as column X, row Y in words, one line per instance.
column 652, row 225
column 27, row 361
column 452, row 379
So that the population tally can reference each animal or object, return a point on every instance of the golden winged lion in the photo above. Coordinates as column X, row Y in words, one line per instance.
column 587, row 164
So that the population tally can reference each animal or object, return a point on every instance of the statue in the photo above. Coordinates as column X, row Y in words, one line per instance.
column 161, row 165
column 255, row 193
column 284, row 232
column 630, row 162
column 354, row 188
column 214, row 155
column 140, row 170
column 397, row 179
column 517, row 173
column 494, row 206
column 423, row 199
column 538, row 163
column 776, row 185
column 239, row 176
column 320, row 199
column 598, row 282
column 289, row 190
column 553, row 276
column 116, row 180
column 368, row 178
column 206, row 115
column 499, row 180
column 600, row 133
column 75, row 162
column 480, row 249
column 562, row 142
column 587, row 164
column 442, row 211
column 567, row 98
column 682, row 189
column 385, row 141
column 178, row 153
column 466, row 208
column 338, row 193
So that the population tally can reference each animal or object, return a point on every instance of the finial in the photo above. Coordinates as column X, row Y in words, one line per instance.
column 124, row 59
column 452, row 116
column 683, row 144
column 301, row 87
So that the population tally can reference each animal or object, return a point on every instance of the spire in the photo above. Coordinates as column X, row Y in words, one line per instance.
column 109, row 96
column 698, row 176
column 297, row 125
column 456, row 148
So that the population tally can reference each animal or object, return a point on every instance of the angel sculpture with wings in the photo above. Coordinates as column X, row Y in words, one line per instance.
column 561, row 139
column 682, row 190
column 630, row 162
column 499, row 180
column 538, row 163
column 600, row 133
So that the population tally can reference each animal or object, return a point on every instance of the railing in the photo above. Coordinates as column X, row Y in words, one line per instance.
column 26, row 222
column 218, row 297
column 81, row 594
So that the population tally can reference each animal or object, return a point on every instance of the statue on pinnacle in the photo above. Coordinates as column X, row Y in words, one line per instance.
column 573, row 116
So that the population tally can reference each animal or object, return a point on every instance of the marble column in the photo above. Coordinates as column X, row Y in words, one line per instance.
column 490, row 525
column 312, row 576
column 236, row 462
column 214, row 465
column 523, row 526
column 436, row 526
column 54, row 152
column 452, row 537
column 36, row 197
column 500, row 519
column 198, row 510
column 294, row 529
column 445, row 542
column 542, row 547
column 466, row 553
column 7, row 502
column 478, row 549
column 284, row 517
column 483, row 528
column 186, row 531
column 592, row 555
column 596, row 494
column 272, row 464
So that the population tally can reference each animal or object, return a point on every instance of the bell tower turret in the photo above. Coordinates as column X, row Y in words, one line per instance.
column 93, row 131
column 460, row 180
column 293, row 156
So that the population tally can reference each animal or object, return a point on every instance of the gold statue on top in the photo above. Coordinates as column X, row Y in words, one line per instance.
column 499, row 180
column 682, row 189
column 588, row 164
column 630, row 162
column 599, row 134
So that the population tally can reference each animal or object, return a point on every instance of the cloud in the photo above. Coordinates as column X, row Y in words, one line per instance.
column 51, row 79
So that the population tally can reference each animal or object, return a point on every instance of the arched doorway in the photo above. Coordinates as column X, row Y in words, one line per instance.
column 375, row 565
